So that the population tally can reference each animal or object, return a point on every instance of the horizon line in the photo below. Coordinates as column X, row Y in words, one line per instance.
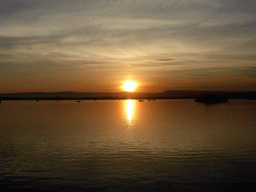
column 130, row 92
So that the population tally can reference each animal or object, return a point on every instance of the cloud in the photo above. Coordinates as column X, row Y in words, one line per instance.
column 165, row 60
column 17, row 8
column 149, row 35
column 12, row 7
column 184, row 6
column 247, row 72
column 5, row 56
column 237, row 6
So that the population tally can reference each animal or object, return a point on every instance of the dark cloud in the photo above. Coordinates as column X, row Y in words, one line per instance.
column 154, row 65
column 183, row 6
column 9, row 7
column 220, row 6
column 237, row 6
column 247, row 72
column 31, row 10
column 229, row 57
column 165, row 60
column 8, row 43
column 5, row 56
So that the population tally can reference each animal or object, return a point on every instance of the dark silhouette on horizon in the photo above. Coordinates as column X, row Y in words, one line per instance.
column 200, row 96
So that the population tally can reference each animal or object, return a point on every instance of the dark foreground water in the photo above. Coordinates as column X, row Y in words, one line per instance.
column 163, row 145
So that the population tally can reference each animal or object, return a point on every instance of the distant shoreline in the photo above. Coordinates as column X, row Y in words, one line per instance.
column 169, row 94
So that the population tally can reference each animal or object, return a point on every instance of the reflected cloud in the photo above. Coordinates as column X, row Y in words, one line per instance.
column 130, row 108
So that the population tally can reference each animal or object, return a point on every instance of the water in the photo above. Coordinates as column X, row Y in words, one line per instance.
column 127, row 145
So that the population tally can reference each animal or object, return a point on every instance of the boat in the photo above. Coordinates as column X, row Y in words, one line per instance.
column 78, row 101
column 141, row 100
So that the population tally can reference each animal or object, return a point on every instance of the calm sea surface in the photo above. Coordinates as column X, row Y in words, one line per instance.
column 127, row 145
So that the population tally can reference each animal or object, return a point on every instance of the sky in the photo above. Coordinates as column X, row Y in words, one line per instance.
column 98, row 45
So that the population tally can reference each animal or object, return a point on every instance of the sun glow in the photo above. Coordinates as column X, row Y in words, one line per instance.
column 129, row 86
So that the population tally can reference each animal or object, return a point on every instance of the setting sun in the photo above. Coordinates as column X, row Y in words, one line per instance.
column 129, row 86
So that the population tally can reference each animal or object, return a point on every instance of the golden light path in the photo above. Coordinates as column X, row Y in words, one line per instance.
column 130, row 107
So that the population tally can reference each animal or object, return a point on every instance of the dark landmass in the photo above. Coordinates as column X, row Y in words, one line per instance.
column 169, row 94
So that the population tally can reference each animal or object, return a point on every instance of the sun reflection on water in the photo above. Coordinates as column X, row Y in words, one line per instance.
column 130, row 107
